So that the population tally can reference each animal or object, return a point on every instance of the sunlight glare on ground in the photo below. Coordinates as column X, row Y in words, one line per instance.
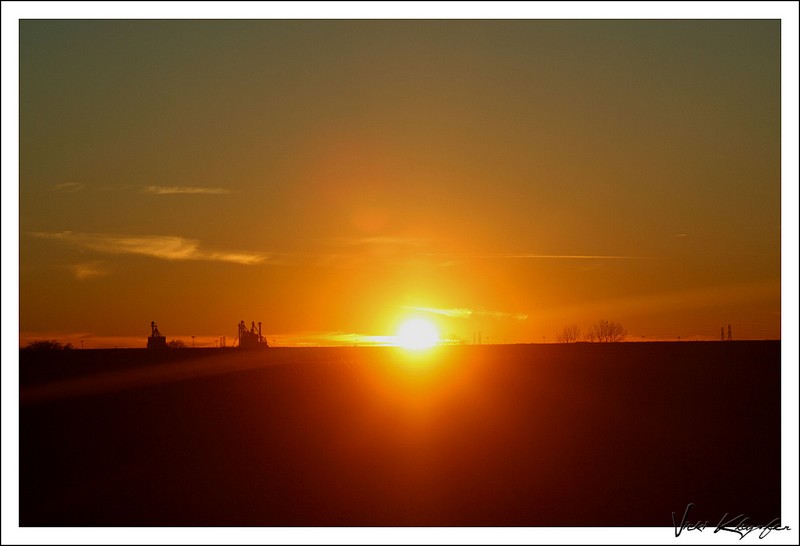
column 417, row 334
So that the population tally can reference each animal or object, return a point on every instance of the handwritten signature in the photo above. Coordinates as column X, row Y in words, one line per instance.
column 738, row 524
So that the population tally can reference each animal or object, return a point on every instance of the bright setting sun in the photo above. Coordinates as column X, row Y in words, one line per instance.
column 417, row 334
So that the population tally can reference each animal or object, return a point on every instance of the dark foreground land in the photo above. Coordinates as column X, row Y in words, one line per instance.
column 529, row 435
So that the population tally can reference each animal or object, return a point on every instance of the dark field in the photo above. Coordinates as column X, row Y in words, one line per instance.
column 509, row 435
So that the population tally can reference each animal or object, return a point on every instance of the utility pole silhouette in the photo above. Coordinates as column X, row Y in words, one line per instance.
column 730, row 338
column 722, row 334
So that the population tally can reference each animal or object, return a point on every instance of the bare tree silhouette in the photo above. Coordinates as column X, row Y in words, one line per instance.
column 604, row 331
column 569, row 334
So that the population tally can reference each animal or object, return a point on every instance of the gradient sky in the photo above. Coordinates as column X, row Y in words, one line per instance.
column 333, row 178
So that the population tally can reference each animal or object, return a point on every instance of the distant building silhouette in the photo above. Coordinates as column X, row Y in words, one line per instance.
column 252, row 338
column 156, row 340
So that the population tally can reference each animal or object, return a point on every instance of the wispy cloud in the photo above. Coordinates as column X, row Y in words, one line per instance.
column 69, row 187
column 566, row 256
column 453, row 313
column 465, row 313
column 379, row 240
column 155, row 246
column 500, row 314
column 338, row 338
column 86, row 271
column 455, row 258
column 349, row 251
column 175, row 190
column 244, row 258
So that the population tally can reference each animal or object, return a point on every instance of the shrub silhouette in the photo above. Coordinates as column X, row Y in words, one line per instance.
column 47, row 345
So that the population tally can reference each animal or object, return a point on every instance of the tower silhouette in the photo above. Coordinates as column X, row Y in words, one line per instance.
column 730, row 338
column 722, row 333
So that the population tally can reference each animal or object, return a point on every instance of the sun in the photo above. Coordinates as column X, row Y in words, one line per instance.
column 417, row 334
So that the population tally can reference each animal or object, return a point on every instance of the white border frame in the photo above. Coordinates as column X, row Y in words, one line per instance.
column 12, row 12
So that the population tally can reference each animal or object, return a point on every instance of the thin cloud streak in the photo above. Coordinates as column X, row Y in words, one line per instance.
column 189, row 190
column 155, row 246
column 467, row 313
column 338, row 339
column 566, row 257
column 453, row 313
column 541, row 256
column 69, row 187
column 378, row 240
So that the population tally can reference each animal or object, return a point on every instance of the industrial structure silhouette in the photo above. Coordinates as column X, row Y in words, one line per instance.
column 246, row 338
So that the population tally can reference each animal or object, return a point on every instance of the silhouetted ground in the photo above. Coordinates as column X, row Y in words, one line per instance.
column 510, row 435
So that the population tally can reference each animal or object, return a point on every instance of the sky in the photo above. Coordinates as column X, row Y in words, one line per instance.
column 334, row 178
